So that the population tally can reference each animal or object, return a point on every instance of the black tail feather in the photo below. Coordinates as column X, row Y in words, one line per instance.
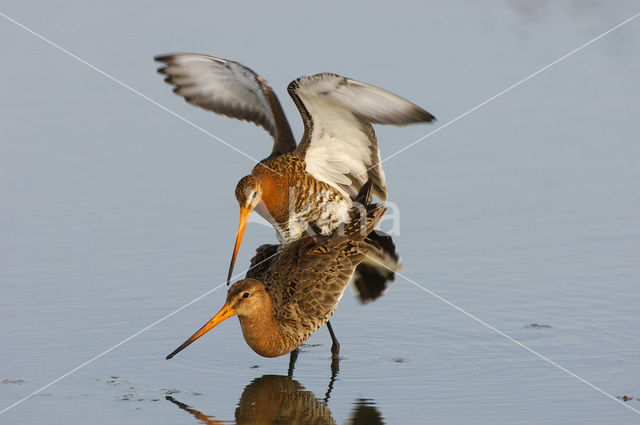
column 378, row 268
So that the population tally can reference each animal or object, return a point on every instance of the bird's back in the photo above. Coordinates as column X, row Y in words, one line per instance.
column 308, row 277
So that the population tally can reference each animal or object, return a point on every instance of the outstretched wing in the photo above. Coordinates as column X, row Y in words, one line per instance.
column 229, row 88
column 339, row 145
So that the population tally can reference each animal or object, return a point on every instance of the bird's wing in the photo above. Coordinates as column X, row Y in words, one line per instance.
column 262, row 261
column 229, row 88
column 309, row 279
column 339, row 145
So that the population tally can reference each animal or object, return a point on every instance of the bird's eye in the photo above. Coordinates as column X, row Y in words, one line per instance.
column 245, row 295
column 254, row 195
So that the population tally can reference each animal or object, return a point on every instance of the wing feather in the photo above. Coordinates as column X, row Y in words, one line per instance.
column 228, row 88
column 339, row 145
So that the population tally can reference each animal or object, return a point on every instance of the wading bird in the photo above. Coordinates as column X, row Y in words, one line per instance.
column 309, row 187
column 282, row 304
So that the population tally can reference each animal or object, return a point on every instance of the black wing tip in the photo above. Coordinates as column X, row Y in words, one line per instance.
column 417, row 114
column 169, row 57
column 165, row 58
column 427, row 117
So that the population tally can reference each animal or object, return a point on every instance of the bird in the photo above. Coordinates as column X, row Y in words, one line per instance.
column 307, row 187
column 280, row 306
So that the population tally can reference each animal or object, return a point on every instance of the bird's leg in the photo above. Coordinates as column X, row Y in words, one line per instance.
column 335, row 346
column 293, row 356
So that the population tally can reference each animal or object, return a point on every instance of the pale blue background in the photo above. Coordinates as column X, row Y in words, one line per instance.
column 113, row 213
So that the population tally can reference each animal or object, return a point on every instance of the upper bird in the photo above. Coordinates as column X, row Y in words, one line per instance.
column 308, row 187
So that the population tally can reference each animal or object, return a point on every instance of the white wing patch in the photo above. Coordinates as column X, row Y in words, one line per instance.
column 339, row 148
column 341, row 145
column 219, row 85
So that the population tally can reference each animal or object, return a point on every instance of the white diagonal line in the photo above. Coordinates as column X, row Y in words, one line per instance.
column 499, row 332
column 130, row 338
column 480, row 105
column 128, row 87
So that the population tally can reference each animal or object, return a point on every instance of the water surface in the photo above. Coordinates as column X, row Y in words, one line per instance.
column 115, row 214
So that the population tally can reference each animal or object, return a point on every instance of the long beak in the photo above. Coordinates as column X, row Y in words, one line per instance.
column 222, row 315
column 244, row 217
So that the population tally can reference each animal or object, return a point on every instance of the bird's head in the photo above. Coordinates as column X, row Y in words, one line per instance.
column 245, row 298
column 249, row 192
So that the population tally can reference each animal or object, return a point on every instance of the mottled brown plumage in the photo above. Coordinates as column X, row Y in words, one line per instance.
column 282, row 305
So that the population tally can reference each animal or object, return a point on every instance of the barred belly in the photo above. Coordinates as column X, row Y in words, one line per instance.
column 321, row 216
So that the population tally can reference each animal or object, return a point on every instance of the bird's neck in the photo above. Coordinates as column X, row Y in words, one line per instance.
column 262, row 333
column 275, row 195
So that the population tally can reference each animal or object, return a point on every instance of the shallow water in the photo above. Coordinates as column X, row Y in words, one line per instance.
column 525, row 212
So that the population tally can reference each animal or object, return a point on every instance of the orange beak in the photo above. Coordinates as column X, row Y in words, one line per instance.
column 222, row 315
column 244, row 217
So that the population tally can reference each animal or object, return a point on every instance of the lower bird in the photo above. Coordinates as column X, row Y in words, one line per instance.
column 282, row 304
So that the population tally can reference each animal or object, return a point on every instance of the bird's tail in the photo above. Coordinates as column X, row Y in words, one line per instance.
column 381, row 261
column 378, row 267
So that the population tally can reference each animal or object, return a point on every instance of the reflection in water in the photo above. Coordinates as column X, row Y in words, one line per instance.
column 209, row 420
column 277, row 399
column 335, row 368
column 365, row 413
